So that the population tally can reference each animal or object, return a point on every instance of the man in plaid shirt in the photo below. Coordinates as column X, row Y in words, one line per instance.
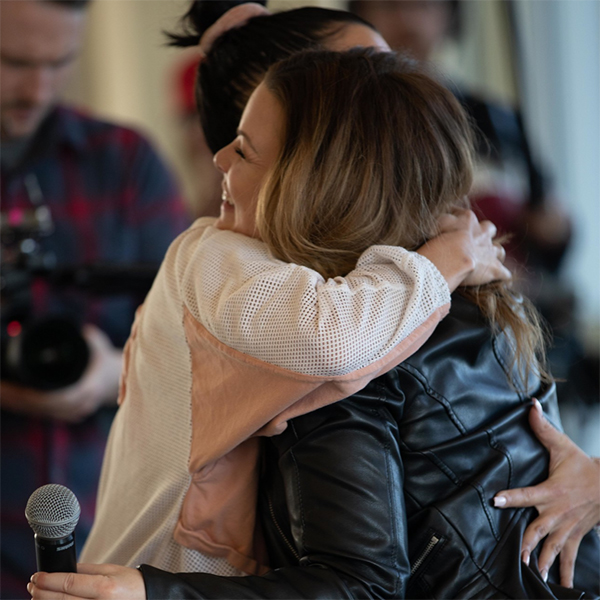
column 111, row 200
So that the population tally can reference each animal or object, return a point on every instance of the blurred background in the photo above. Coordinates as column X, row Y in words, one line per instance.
column 541, row 56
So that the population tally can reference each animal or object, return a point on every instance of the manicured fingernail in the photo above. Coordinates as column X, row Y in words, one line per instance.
column 525, row 558
column 538, row 406
column 33, row 578
column 29, row 587
column 544, row 574
column 499, row 501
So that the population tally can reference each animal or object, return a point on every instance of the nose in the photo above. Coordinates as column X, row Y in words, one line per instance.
column 222, row 159
column 37, row 86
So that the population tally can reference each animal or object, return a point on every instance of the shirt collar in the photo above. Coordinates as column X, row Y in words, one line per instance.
column 64, row 127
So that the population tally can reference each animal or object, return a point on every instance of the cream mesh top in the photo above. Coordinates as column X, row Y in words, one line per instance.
column 230, row 343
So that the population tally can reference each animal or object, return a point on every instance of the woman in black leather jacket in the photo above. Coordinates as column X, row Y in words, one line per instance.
column 389, row 493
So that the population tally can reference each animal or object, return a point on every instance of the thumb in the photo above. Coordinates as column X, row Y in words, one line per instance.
column 546, row 433
column 96, row 338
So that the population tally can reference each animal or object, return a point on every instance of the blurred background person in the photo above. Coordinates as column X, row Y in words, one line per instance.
column 510, row 188
column 75, row 191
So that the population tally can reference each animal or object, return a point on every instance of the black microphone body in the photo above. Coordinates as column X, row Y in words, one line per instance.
column 52, row 512
column 56, row 556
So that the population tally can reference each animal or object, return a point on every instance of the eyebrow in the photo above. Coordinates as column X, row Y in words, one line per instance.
column 33, row 63
column 248, row 140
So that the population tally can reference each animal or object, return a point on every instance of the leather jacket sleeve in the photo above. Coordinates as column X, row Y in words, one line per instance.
column 340, row 468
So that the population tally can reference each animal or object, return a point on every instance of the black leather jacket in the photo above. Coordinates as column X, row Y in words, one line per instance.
column 387, row 494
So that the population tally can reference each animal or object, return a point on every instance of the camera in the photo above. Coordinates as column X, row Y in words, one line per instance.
column 49, row 353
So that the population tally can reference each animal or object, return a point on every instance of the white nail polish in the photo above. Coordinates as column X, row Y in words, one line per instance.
column 499, row 501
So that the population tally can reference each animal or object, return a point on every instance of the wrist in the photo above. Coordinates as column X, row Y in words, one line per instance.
column 448, row 252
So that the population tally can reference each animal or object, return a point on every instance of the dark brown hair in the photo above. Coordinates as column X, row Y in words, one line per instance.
column 239, row 59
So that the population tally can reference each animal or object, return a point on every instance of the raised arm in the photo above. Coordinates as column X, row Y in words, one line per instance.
column 290, row 316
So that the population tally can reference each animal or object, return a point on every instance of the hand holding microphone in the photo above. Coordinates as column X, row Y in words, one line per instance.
column 53, row 512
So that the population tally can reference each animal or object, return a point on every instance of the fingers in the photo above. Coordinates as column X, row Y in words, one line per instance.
column 88, row 582
column 500, row 252
column 551, row 548
column 567, row 561
column 537, row 530
column 447, row 222
column 488, row 228
column 501, row 272
column 462, row 219
column 466, row 220
column 521, row 497
column 54, row 586
column 552, row 439
column 564, row 542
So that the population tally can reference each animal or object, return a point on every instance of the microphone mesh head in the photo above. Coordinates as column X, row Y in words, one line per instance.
column 52, row 511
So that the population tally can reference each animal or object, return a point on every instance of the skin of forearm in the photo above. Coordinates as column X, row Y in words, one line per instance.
column 448, row 253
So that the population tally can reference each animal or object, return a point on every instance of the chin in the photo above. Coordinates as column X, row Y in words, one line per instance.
column 225, row 223
column 20, row 131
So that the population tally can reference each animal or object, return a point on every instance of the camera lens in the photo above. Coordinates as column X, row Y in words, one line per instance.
column 48, row 354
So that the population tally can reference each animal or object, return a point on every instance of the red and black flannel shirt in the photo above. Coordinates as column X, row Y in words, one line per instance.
column 112, row 201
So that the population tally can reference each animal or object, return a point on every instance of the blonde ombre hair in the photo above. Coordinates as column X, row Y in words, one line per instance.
column 373, row 152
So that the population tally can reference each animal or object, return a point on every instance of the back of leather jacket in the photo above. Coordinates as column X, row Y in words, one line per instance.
column 387, row 494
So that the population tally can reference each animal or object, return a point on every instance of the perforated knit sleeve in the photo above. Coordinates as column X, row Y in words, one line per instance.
column 289, row 316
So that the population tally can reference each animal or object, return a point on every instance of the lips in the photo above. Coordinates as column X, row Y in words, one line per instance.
column 225, row 197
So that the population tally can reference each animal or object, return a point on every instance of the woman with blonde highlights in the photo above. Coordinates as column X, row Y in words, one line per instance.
column 379, row 169
column 386, row 493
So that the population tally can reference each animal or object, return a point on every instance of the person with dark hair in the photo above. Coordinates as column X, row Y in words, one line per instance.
column 243, row 56
column 401, row 293
column 75, row 191
column 386, row 493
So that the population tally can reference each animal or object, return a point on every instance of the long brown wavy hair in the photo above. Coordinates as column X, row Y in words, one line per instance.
column 374, row 151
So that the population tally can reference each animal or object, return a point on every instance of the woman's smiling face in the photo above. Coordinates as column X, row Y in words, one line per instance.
column 246, row 161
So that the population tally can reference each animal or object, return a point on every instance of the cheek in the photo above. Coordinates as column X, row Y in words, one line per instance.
column 243, row 185
column 62, row 76
column 8, row 82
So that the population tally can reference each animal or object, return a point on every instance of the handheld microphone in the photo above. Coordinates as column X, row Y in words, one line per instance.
column 53, row 512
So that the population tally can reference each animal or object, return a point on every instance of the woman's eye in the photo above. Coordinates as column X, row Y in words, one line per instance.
column 238, row 151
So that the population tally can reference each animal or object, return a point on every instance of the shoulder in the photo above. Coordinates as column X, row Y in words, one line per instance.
column 462, row 347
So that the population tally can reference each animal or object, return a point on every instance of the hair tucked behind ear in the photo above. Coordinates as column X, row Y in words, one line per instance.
column 374, row 152
column 239, row 59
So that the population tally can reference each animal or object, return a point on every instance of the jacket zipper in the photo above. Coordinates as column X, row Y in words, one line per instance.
column 287, row 542
column 426, row 552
